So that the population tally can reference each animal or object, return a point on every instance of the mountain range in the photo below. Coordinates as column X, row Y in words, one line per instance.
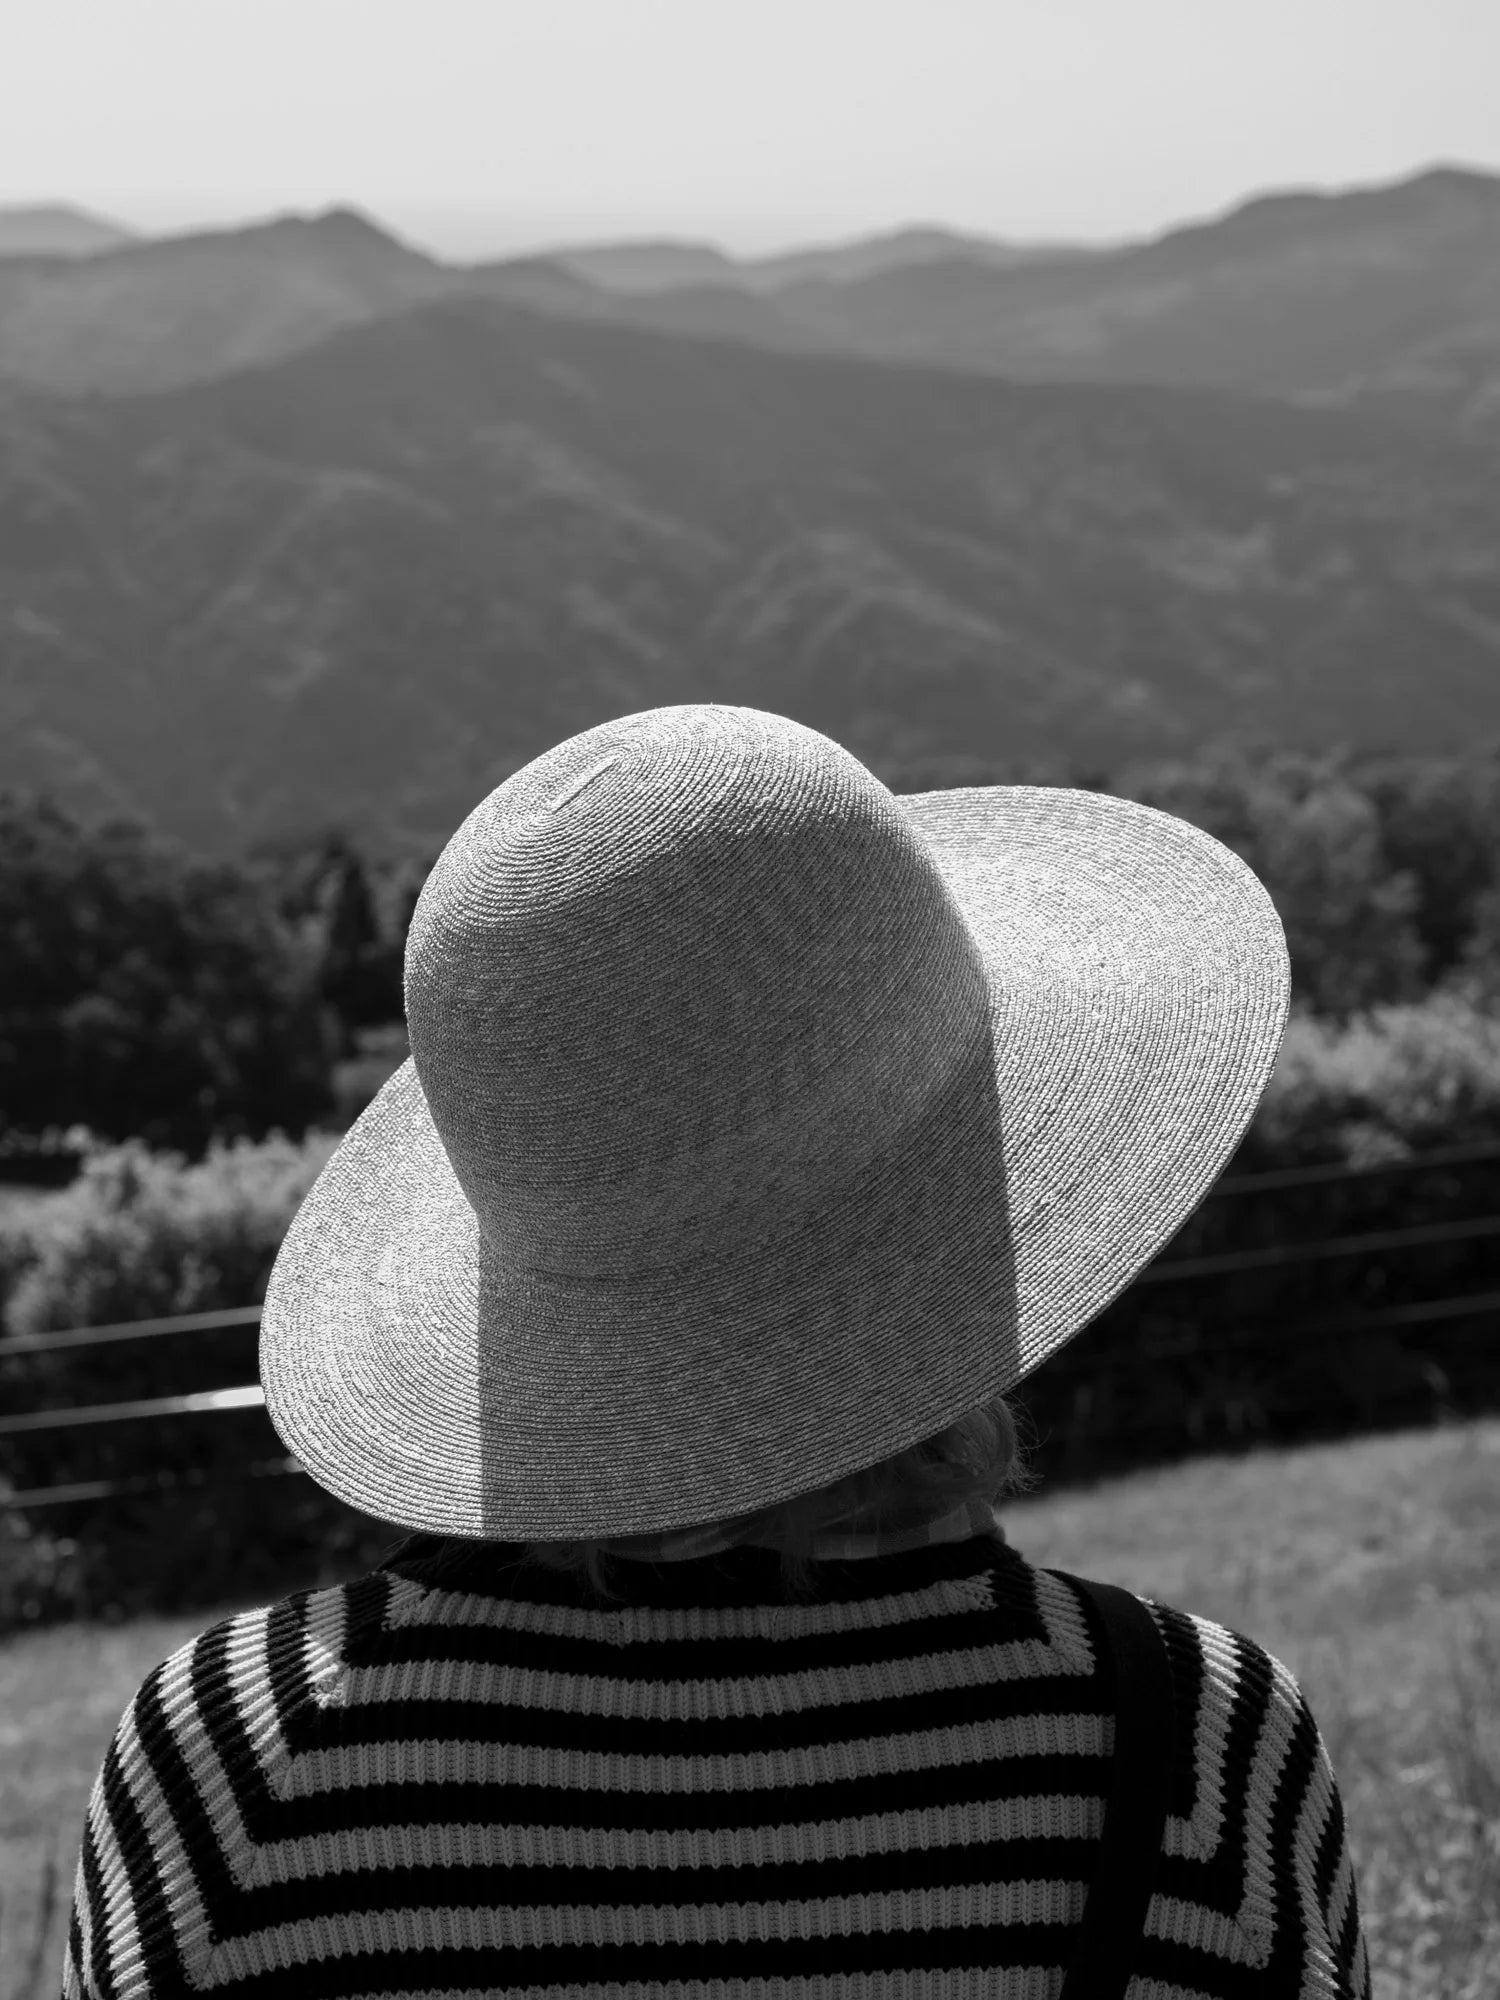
column 300, row 526
column 57, row 229
column 675, row 266
column 361, row 585
column 1386, row 295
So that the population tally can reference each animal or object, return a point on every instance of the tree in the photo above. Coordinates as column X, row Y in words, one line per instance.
column 146, row 994
column 1440, row 820
column 351, row 918
column 1475, row 974
column 1314, row 838
column 355, row 973
column 1349, row 919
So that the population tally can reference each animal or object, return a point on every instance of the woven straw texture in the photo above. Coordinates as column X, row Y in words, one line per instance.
column 758, row 1123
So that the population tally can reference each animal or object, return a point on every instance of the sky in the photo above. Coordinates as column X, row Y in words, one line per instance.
column 479, row 127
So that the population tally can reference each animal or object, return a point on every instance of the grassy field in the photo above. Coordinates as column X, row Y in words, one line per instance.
column 1372, row 1569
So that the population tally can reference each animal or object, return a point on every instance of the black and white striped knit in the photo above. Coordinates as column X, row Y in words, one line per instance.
column 456, row 1776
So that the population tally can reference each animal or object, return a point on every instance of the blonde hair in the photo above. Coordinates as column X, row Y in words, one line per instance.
column 978, row 1457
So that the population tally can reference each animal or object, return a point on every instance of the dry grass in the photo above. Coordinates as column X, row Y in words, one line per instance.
column 1371, row 1568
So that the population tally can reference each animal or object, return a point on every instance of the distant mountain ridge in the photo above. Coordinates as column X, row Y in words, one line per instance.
column 1387, row 295
column 175, row 309
column 362, row 584
column 646, row 265
column 57, row 229
column 1390, row 293
column 665, row 265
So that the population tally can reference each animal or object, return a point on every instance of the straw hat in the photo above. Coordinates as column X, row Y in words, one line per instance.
column 758, row 1123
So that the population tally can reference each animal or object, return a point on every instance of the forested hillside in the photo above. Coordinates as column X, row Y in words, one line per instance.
column 363, row 585
column 150, row 993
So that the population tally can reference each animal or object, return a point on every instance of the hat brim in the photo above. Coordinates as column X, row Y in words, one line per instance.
column 1139, row 993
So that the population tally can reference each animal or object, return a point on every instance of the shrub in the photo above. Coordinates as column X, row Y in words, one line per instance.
column 141, row 1233
column 1396, row 1080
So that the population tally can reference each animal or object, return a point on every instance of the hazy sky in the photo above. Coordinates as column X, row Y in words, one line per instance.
column 486, row 125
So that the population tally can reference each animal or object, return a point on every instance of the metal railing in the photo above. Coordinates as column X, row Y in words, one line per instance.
column 1167, row 1270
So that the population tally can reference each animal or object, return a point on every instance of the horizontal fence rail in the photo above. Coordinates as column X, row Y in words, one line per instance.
column 1164, row 1271
column 1172, row 1270
column 150, row 1482
column 138, row 1329
column 1412, row 1163
column 250, row 1396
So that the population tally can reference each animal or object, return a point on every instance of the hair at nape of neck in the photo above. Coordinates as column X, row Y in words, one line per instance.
column 978, row 1457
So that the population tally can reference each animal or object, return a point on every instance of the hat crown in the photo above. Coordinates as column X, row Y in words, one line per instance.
column 673, row 980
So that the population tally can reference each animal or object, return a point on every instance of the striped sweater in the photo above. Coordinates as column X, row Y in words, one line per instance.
column 463, row 1776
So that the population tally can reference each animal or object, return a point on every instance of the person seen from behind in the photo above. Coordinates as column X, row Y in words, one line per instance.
column 762, row 1131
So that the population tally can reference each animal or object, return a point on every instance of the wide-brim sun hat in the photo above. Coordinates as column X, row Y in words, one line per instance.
column 758, row 1123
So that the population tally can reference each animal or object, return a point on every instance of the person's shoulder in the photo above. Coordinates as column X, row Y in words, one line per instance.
column 1252, row 1788
column 251, row 1674
column 198, row 1764
column 1225, row 1658
column 1243, row 1718
column 1217, row 1669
